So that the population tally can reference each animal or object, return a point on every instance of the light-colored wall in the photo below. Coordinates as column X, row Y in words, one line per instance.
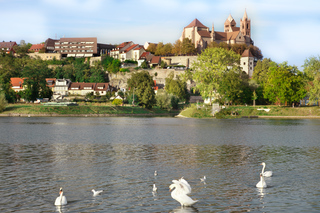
column 247, row 64
column 45, row 56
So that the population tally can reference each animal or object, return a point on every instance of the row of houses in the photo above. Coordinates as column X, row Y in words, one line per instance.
column 64, row 87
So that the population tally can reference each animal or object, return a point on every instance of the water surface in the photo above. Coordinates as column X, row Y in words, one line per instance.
column 120, row 155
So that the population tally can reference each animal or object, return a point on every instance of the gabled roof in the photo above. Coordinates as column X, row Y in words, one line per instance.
column 50, row 82
column 139, row 48
column 102, row 87
column 222, row 36
column 130, row 48
column 155, row 60
column 195, row 23
column 232, row 35
column 204, row 33
column 82, row 86
column 144, row 55
column 36, row 47
column 16, row 82
column 247, row 53
column 7, row 45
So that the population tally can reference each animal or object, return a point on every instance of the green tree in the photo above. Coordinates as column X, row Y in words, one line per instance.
column 210, row 68
column 188, row 47
column 3, row 101
column 152, row 48
column 177, row 46
column 285, row 84
column 144, row 65
column 177, row 87
column 166, row 101
column 160, row 49
column 97, row 74
column 142, row 84
column 230, row 87
column 260, row 73
column 311, row 68
column 167, row 49
column 35, row 73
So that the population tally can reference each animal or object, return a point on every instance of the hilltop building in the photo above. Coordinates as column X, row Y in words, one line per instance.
column 201, row 36
column 81, row 47
column 127, row 51
column 7, row 47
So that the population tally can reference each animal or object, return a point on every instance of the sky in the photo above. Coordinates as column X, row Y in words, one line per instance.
column 284, row 30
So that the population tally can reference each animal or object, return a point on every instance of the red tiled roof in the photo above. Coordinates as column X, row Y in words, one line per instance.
column 6, row 45
column 155, row 60
column 51, row 82
column 36, row 47
column 130, row 48
column 222, row 36
column 102, row 87
column 144, row 55
column 204, row 33
column 195, row 23
column 247, row 53
column 16, row 82
column 232, row 35
column 139, row 48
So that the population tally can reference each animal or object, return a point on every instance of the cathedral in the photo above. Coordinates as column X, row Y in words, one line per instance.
column 201, row 36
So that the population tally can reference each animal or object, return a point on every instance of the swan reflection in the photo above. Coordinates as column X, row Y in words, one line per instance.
column 184, row 209
column 261, row 192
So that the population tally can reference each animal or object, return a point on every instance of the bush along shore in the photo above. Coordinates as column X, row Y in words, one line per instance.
column 28, row 110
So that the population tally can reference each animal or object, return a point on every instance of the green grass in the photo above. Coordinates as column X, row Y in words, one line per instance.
column 275, row 110
column 38, row 109
column 193, row 112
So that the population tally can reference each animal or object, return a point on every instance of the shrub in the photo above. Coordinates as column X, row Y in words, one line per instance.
column 166, row 101
column 124, row 70
column 223, row 113
column 117, row 102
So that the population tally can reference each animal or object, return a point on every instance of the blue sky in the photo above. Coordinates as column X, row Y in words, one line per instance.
column 284, row 30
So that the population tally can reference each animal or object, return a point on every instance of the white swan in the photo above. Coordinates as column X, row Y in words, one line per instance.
column 265, row 173
column 261, row 183
column 154, row 188
column 155, row 173
column 180, row 188
column 95, row 193
column 61, row 200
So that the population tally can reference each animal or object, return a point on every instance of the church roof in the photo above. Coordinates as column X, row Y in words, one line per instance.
column 204, row 33
column 247, row 53
column 220, row 36
column 232, row 35
column 195, row 23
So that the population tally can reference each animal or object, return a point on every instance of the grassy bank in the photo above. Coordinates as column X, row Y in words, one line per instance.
column 270, row 111
column 194, row 111
column 83, row 109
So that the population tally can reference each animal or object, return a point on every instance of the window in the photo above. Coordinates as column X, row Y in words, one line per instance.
column 244, row 63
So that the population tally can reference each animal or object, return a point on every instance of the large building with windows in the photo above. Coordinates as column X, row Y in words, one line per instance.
column 201, row 36
column 81, row 47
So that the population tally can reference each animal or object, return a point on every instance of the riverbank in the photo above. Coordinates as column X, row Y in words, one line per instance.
column 89, row 110
column 270, row 111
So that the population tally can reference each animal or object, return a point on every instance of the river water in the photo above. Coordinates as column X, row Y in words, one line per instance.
column 120, row 155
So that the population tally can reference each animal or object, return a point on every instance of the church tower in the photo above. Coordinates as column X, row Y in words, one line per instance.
column 245, row 25
column 229, row 24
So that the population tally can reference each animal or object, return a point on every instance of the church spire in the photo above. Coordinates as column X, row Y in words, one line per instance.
column 245, row 16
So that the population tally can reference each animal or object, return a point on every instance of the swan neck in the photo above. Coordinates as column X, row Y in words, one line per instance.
column 61, row 197
column 263, row 167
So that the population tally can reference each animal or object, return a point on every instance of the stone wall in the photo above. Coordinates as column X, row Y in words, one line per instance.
column 120, row 80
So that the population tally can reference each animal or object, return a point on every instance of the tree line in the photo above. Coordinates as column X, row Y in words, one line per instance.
column 217, row 74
